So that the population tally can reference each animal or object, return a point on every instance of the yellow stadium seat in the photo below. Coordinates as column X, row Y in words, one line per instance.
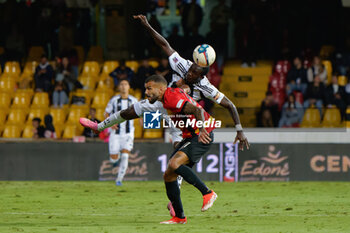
column 70, row 131
column 12, row 68
column 21, row 99
column 100, row 99
column 59, row 129
column 100, row 114
column 138, row 128
column 75, row 113
column 331, row 118
column 27, row 131
column 136, row 93
column 326, row 51
column 311, row 119
column 12, row 131
column 134, row 65
column 342, row 80
column 86, row 93
column 95, row 54
column 35, row 53
column 91, row 68
column 154, row 63
column 88, row 81
column 59, row 115
column 7, row 84
column 81, row 54
column 106, row 83
column 153, row 133
column 17, row 116
column 30, row 67
column 37, row 112
column 328, row 65
column 29, row 92
column 5, row 99
column 41, row 99
column 3, row 115
column 2, row 50
column 109, row 66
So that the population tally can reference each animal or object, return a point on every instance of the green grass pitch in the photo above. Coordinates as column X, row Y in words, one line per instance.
column 140, row 206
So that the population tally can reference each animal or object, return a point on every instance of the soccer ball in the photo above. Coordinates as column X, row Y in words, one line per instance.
column 204, row 55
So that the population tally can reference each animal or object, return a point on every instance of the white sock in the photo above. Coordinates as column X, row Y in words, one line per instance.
column 179, row 180
column 123, row 166
column 110, row 121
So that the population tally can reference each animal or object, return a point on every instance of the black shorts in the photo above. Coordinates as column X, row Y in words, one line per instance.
column 193, row 149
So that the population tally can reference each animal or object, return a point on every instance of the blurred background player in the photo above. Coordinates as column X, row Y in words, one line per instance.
column 121, row 138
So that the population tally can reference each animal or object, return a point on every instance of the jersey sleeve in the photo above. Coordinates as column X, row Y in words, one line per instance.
column 174, row 100
column 179, row 64
column 209, row 90
column 109, row 107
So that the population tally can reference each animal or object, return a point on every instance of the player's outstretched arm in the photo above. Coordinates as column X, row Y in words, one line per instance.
column 199, row 115
column 243, row 141
column 159, row 39
column 118, row 117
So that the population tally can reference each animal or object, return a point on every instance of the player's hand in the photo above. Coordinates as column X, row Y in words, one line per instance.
column 114, row 127
column 142, row 18
column 203, row 136
column 243, row 141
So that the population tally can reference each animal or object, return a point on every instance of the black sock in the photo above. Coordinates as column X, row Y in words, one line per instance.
column 192, row 178
column 173, row 192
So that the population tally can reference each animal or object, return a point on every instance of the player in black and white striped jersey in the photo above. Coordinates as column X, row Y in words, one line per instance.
column 121, row 138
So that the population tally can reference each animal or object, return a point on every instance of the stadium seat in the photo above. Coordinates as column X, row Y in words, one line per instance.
column 109, row 66
column 106, row 83
column 75, row 113
column 30, row 67
column 70, row 131
column 27, row 131
column 3, row 115
column 12, row 131
column 59, row 129
column 17, row 116
column 41, row 99
column 35, row 53
column 37, row 112
column 311, row 119
column 12, row 68
column 21, row 99
column 136, row 93
column 342, row 80
column 331, row 118
column 29, row 92
column 86, row 93
column 89, row 82
column 5, row 99
column 328, row 65
column 153, row 63
column 91, row 68
column 100, row 114
column 81, row 54
column 326, row 51
column 153, row 133
column 101, row 99
column 95, row 54
column 7, row 84
column 59, row 115
column 134, row 65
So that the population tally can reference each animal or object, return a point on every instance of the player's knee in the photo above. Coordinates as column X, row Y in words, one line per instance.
column 173, row 164
column 113, row 158
column 169, row 176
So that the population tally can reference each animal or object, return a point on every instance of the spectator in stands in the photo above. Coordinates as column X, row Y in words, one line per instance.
column 292, row 113
column 164, row 69
column 314, row 95
column 49, row 128
column 69, row 78
column 296, row 77
column 176, row 40
column 335, row 95
column 144, row 71
column 219, row 21
column 43, row 75
column 60, row 93
column 192, row 16
column 38, row 130
column 121, row 72
column 88, row 132
column 317, row 69
column 268, row 115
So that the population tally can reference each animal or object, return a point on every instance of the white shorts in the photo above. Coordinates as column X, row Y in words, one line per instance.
column 120, row 142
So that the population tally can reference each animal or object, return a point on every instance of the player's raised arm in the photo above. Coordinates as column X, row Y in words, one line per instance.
column 159, row 39
column 243, row 141
column 199, row 115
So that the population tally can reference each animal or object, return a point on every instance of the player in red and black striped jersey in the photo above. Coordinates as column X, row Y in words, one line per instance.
column 197, row 140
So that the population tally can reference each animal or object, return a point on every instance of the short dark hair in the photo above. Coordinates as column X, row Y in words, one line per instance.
column 157, row 79
column 37, row 119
